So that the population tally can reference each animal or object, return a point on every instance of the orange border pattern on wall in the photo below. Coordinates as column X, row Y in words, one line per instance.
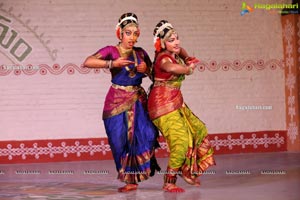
column 98, row 148
column 70, row 68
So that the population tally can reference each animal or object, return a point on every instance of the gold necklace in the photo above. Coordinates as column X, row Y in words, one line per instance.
column 126, row 53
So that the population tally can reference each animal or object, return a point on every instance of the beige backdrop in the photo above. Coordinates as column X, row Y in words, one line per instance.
column 239, row 86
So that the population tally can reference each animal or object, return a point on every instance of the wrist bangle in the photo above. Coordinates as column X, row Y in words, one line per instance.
column 190, row 71
column 110, row 64
column 106, row 64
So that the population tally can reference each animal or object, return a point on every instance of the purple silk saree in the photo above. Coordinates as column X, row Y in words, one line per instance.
column 130, row 132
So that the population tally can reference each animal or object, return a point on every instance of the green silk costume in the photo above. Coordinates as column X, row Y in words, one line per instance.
column 186, row 135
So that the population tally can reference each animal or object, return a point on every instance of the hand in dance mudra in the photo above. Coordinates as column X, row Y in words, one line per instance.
column 122, row 62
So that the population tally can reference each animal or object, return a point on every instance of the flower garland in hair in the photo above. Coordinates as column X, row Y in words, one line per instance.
column 118, row 32
column 157, row 45
column 157, row 40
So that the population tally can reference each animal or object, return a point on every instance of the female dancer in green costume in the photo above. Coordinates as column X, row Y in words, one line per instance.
column 190, row 151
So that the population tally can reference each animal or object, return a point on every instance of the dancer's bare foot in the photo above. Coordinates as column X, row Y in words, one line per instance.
column 196, row 182
column 128, row 187
column 192, row 181
column 169, row 187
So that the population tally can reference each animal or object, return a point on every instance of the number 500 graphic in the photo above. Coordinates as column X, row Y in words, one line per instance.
column 18, row 48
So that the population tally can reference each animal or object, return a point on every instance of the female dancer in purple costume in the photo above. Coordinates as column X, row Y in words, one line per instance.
column 131, row 134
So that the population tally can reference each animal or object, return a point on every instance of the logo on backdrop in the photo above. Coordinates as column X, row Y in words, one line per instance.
column 280, row 8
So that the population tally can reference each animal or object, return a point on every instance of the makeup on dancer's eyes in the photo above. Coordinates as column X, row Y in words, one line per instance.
column 136, row 34
column 173, row 38
column 129, row 33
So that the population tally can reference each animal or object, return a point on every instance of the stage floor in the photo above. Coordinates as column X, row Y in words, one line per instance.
column 274, row 176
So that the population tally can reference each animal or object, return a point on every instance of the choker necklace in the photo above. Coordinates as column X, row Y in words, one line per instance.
column 124, row 52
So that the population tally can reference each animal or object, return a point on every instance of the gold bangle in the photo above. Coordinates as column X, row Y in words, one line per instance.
column 110, row 64
column 190, row 71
